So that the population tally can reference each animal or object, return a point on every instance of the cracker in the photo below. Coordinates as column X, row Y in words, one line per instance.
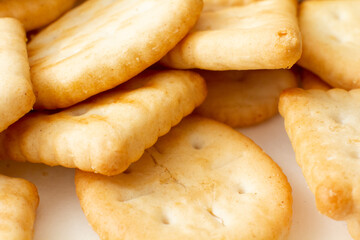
column 331, row 41
column 16, row 95
column 203, row 180
column 34, row 13
column 311, row 81
column 260, row 35
column 18, row 203
column 109, row 131
column 323, row 127
column 244, row 98
column 103, row 43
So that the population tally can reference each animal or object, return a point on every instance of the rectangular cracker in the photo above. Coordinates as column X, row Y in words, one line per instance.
column 103, row 43
column 201, row 181
column 109, row 131
column 16, row 95
column 323, row 127
column 232, row 36
column 34, row 14
column 18, row 203
column 331, row 41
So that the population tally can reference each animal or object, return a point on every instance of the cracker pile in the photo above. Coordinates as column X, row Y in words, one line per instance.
column 111, row 87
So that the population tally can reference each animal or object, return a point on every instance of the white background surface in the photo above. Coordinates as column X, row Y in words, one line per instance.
column 59, row 216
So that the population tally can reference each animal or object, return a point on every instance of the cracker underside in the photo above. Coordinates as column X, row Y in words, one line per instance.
column 311, row 81
column 244, row 98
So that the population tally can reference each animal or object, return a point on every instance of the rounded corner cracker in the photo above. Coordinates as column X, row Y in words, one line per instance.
column 16, row 93
column 108, row 132
column 241, row 35
column 202, row 179
column 81, row 55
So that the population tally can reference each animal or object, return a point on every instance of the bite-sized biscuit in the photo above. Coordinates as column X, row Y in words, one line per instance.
column 232, row 36
column 16, row 95
column 311, row 81
column 34, row 14
column 109, row 131
column 331, row 41
column 18, row 203
column 103, row 43
column 244, row 98
column 323, row 127
column 203, row 180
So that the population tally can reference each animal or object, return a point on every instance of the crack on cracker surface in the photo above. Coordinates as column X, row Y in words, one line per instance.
column 217, row 218
column 175, row 180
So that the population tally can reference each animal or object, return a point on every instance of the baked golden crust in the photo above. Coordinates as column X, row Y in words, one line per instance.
column 203, row 180
column 16, row 94
column 323, row 127
column 18, row 203
column 331, row 43
column 34, row 14
column 230, row 36
column 103, row 43
column 109, row 131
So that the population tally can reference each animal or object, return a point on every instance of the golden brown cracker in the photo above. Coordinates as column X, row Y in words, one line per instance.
column 331, row 41
column 232, row 36
column 203, row 180
column 244, row 98
column 34, row 14
column 18, row 203
column 109, row 131
column 16, row 95
column 103, row 43
column 323, row 127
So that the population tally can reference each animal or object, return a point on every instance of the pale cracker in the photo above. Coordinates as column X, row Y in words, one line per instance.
column 203, row 180
column 16, row 95
column 18, row 203
column 109, row 131
column 103, row 43
column 244, row 98
column 312, row 81
column 323, row 127
column 261, row 35
column 331, row 41
column 34, row 13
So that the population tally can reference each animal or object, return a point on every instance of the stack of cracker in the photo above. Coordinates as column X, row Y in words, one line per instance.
column 111, row 87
